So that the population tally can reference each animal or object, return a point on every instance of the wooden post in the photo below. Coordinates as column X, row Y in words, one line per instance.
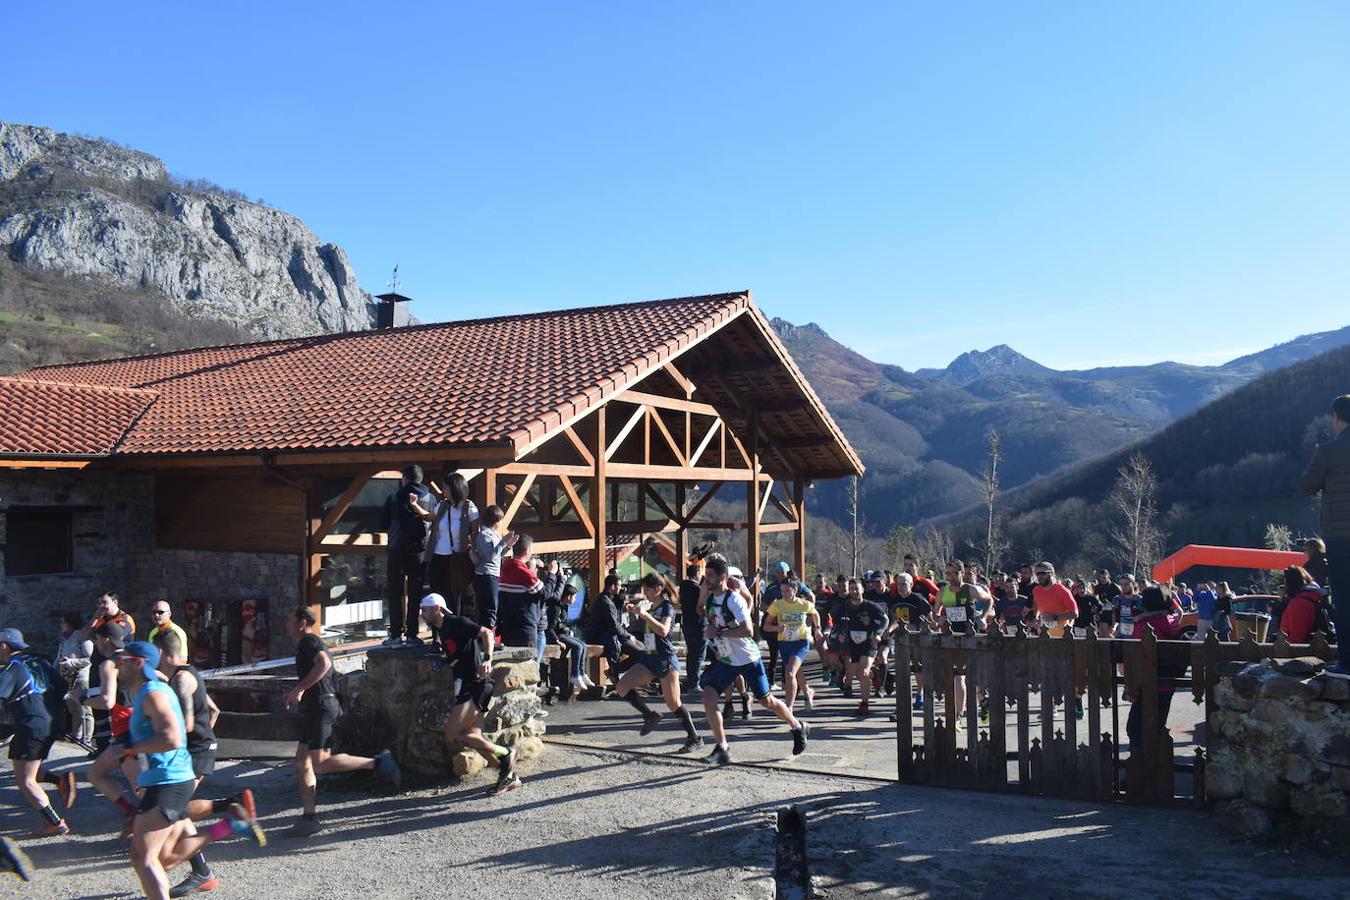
column 752, row 502
column 681, row 536
column 599, row 507
column 311, row 563
column 799, row 539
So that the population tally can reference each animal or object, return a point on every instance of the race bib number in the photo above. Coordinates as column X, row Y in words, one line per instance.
column 903, row 613
column 1080, row 633
column 956, row 614
column 649, row 640
column 858, row 637
column 1125, row 629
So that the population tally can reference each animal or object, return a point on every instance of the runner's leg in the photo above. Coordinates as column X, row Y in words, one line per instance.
column 151, row 832
column 712, row 708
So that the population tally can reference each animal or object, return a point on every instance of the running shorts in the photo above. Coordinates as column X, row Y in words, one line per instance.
column 170, row 799
column 856, row 652
column 30, row 744
column 203, row 761
column 316, row 725
column 479, row 693
column 719, row 676
column 658, row 664
column 793, row 650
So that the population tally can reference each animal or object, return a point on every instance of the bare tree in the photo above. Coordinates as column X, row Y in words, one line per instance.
column 994, row 546
column 1137, row 535
column 935, row 547
column 854, row 497
column 898, row 541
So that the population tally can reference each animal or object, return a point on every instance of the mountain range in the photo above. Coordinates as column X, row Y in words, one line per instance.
column 923, row 435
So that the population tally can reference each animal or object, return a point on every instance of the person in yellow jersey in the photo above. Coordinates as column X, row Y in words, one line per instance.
column 162, row 615
column 795, row 620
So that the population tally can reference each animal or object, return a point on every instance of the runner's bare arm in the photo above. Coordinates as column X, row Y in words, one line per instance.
column 184, row 685
column 107, row 697
column 321, row 666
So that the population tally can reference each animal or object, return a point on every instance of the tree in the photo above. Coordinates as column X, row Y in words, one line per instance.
column 994, row 547
column 934, row 547
column 1136, row 534
column 854, row 499
column 898, row 541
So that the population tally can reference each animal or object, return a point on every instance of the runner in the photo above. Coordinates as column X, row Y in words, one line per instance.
column 1127, row 604
column 316, row 697
column 199, row 719
column 1106, row 592
column 911, row 610
column 468, row 646
column 794, row 621
column 658, row 660
column 863, row 623
column 879, row 593
column 924, row 587
column 26, row 699
column 1055, row 606
column 159, row 837
column 957, row 602
column 728, row 625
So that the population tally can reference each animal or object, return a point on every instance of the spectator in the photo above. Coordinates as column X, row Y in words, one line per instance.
column 403, row 520
column 453, row 525
column 1156, row 615
column 1328, row 474
column 163, row 618
column 109, row 609
column 1302, row 599
column 691, row 624
column 1205, row 602
column 558, row 631
column 73, row 657
column 1316, row 551
column 521, row 596
column 486, row 555
column 1223, row 610
column 604, row 625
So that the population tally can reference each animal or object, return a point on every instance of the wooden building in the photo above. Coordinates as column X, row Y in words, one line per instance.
column 595, row 428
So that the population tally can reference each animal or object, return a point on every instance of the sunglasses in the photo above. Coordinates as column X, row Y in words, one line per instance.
column 159, row 612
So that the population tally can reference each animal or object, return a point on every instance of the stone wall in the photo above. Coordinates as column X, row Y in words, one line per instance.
column 1279, row 745
column 401, row 701
column 114, row 549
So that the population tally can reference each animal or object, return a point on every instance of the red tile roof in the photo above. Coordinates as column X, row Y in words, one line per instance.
column 70, row 419
column 503, row 381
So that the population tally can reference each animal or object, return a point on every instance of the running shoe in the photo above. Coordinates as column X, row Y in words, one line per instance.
column 67, row 788
column 810, row 699
column 1336, row 670
column 649, row 722
column 691, row 745
column 306, row 826
column 387, row 768
column 892, row 718
column 245, row 799
column 799, row 738
column 194, row 883
column 918, row 702
column 745, row 709
column 862, row 709
column 50, row 830
column 847, row 689
column 826, row 677
column 719, row 756
column 728, row 709
column 506, row 767
column 13, row 859
column 504, row 785
column 414, row 642
column 246, row 826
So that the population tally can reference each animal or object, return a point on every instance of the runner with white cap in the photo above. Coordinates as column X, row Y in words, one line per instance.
column 468, row 646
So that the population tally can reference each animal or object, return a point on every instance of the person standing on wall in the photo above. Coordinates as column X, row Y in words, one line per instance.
column 1328, row 474
column 453, row 524
column 405, row 512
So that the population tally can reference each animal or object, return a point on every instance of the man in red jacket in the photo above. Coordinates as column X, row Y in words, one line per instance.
column 522, row 600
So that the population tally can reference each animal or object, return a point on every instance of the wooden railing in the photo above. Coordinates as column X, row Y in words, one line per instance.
column 1025, row 678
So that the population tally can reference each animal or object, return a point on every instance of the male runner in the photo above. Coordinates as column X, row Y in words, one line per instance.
column 730, row 628
column 199, row 719
column 863, row 622
column 25, row 699
column 316, row 696
column 468, row 646
column 909, row 609
column 105, row 694
column 159, row 837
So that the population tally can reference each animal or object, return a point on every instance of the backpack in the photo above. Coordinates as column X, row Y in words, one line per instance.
column 47, row 681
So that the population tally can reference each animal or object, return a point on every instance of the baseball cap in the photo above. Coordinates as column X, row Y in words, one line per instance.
column 146, row 652
column 115, row 632
column 783, row 567
column 431, row 601
column 13, row 637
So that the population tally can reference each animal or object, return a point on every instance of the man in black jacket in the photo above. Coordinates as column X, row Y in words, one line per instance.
column 1329, row 474
column 695, row 644
column 405, row 512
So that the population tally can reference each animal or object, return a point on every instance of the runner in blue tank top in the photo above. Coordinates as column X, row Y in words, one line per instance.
column 159, row 740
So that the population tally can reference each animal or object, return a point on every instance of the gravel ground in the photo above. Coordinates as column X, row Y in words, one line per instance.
column 593, row 823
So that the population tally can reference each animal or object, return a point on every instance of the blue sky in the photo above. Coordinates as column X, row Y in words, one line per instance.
column 1091, row 183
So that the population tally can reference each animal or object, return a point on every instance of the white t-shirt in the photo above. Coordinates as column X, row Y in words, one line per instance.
column 734, row 651
column 447, row 529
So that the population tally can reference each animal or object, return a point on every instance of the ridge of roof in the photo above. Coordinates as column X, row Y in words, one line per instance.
column 402, row 329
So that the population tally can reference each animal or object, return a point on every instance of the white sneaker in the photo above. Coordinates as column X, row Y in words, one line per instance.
column 579, row 683
column 586, row 679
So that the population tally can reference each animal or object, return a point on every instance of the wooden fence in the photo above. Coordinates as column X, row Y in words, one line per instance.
column 1025, row 678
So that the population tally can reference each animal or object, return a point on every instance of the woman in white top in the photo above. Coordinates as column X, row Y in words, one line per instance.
column 454, row 522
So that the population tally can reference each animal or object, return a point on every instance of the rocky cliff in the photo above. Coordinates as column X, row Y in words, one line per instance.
column 88, row 208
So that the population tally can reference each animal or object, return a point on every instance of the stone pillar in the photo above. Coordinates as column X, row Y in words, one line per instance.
column 404, row 696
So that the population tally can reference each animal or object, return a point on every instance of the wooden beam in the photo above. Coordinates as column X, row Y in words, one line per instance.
column 782, row 507
column 681, row 536
column 660, row 501
column 638, row 415
column 599, row 506
column 517, row 500
column 334, row 542
column 702, row 502
column 568, row 546
column 694, row 457
column 384, row 458
column 675, row 375
column 740, row 448
column 764, row 502
column 665, row 433
column 777, row 527
column 633, row 471
column 659, row 402
column 329, row 522
column 579, row 445
column 529, row 468
column 572, row 497
column 44, row 463
column 489, row 488
column 752, row 560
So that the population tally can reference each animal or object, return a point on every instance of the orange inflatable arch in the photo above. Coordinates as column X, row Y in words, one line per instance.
column 1226, row 557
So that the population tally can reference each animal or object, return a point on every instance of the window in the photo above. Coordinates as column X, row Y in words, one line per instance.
column 38, row 540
